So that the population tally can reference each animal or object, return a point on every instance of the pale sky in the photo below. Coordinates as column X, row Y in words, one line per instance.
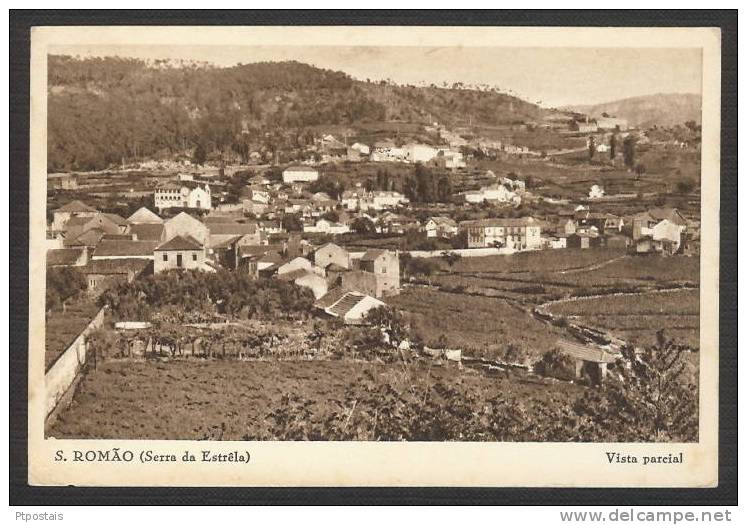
column 550, row 76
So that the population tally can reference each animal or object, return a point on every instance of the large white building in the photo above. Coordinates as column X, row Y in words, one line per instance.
column 172, row 196
column 300, row 174
column 518, row 234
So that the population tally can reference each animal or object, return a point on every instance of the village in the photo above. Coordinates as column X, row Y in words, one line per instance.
column 473, row 254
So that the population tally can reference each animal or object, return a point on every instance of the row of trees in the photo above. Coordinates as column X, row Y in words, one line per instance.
column 205, row 295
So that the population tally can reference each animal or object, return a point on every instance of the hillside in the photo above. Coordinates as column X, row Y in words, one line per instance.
column 105, row 110
column 650, row 110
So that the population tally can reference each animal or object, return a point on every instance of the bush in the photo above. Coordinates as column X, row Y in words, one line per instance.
column 234, row 294
column 63, row 283
column 556, row 364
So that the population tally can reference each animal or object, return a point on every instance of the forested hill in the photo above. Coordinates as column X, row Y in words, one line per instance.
column 104, row 110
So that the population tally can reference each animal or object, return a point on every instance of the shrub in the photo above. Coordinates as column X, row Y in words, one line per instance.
column 557, row 364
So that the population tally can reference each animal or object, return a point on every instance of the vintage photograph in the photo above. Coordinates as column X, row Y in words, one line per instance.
column 373, row 243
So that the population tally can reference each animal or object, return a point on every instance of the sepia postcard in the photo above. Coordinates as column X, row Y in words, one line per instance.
column 374, row 256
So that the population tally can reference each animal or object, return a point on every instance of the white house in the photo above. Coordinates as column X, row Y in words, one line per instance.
column 362, row 149
column 300, row 174
column 441, row 227
column 171, row 196
column 299, row 263
column 381, row 200
column 352, row 307
column 419, row 152
column 386, row 151
column 596, row 192
column 325, row 226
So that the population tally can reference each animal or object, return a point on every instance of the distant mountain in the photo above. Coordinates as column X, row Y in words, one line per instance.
column 662, row 109
column 104, row 110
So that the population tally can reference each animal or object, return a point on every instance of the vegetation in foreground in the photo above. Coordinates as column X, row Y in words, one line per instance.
column 405, row 399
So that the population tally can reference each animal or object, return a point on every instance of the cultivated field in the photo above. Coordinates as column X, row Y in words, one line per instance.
column 482, row 326
column 269, row 400
column 637, row 317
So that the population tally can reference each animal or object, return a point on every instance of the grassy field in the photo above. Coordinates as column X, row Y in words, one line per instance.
column 63, row 327
column 482, row 326
column 475, row 305
column 552, row 274
column 638, row 317
column 249, row 400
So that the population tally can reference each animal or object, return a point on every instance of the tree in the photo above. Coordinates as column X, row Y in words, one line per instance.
column 390, row 321
column 656, row 398
column 421, row 266
column 613, row 146
column 363, row 225
column 592, row 147
column 292, row 223
column 451, row 258
column 629, row 151
column 685, row 186
column 63, row 283
column 199, row 156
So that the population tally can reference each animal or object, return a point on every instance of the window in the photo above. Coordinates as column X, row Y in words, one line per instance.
column 194, row 256
column 165, row 256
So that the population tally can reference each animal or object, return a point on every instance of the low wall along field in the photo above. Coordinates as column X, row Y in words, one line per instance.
column 65, row 369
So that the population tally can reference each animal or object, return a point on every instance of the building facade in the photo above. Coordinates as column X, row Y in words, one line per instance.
column 518, row 234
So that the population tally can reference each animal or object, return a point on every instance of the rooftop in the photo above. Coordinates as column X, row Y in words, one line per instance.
column 76, row 207
column 64, row 256
column 116, row 266
column 179, row 243
column 120, row 248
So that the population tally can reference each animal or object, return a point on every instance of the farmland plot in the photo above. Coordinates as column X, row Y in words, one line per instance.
column 317, row 400
column 483, row 326
column 637, row 317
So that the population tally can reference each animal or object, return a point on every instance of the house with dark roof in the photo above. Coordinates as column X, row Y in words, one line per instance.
column 107, row 273
column 70, row 210
column 67, row 257
column 180, row 252
column 148, row 231
column 124, row 249
column 220, row 232
column 109, row 223
column 88, row 239
column 351, row 307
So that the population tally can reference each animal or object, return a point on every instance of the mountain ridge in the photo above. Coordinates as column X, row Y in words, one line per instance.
column 105, row 109
column 644, row 111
